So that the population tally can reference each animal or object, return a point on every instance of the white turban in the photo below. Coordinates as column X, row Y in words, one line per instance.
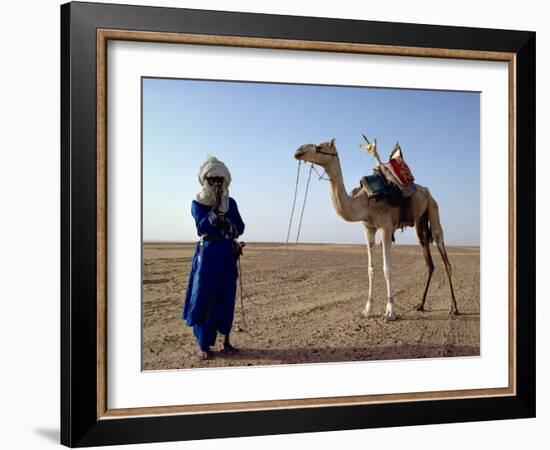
column 213, row 167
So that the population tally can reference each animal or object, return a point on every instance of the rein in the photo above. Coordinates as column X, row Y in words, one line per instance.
column 283, row 268
column 321, row 176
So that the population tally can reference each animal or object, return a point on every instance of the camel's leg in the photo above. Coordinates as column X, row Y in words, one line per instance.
column 424, row 237
column 443, row 253
column 437, row 232
column 386, row 248
column 369, row 234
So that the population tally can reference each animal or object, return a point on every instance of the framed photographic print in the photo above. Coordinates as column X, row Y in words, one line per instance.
column 278, row 224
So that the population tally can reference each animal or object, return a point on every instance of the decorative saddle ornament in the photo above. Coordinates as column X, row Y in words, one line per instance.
column 392, row 181
column 395, row 172
column 400, row 172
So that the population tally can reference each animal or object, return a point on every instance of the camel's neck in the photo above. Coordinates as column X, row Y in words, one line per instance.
column 350, row 209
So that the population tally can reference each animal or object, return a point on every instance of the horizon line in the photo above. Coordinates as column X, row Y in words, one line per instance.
column 153, row 241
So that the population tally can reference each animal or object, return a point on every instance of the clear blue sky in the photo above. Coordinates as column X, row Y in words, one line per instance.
column 255, row 129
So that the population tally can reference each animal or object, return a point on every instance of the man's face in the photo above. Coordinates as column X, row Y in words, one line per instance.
column 215, row 182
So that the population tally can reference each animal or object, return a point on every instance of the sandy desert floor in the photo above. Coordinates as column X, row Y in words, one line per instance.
column 317, row 317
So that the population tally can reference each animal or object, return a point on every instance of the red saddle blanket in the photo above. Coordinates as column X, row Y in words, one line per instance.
column 400, row 170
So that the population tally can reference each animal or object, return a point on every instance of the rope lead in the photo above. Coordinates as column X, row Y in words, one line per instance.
column 283, row 268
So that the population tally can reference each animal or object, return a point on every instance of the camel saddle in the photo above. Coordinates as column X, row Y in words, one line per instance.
column 393, row 182
column 379, row 189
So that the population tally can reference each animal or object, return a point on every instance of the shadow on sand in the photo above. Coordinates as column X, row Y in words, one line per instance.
column 309, row 355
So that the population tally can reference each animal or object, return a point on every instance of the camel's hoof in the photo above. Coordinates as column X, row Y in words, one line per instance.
column 390, row 317
column 419, row 307
column 367, row 314
column 454, row 312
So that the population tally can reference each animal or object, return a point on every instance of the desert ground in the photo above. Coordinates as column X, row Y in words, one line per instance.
column 317, row 315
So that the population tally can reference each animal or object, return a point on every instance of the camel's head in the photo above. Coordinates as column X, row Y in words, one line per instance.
column 321, row 154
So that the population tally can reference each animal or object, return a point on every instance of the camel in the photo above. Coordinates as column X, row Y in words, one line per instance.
column 383, row 217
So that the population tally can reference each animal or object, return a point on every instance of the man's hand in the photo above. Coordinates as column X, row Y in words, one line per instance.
column 218, row 190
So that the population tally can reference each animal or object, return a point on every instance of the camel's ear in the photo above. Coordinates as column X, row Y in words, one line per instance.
column 332, row 142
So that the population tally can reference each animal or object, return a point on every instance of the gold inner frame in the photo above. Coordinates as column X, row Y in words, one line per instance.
column 104, row 35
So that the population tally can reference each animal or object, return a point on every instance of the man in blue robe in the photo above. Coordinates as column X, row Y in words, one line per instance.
column 210, row 297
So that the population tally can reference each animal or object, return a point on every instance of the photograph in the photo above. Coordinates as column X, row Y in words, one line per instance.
column 287, row 223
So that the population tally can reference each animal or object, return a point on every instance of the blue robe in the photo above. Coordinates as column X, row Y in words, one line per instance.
column 210, row 297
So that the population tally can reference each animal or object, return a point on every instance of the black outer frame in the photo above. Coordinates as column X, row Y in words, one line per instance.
column 79, row 424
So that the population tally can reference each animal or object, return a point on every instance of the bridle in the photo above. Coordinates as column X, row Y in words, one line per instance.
column 318, row 150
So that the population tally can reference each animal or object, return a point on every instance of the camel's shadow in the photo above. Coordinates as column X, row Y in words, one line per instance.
column 442, row 315
column 307, row 355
